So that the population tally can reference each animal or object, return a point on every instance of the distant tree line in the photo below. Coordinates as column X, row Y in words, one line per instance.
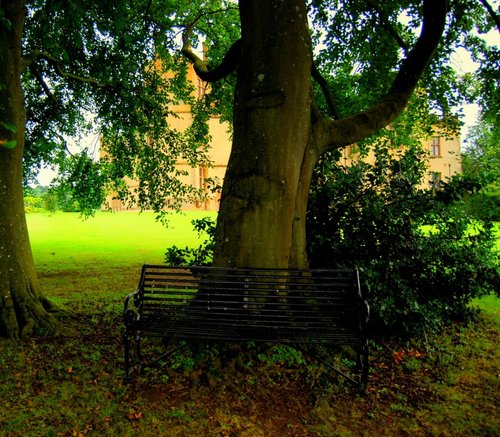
column 43, row 198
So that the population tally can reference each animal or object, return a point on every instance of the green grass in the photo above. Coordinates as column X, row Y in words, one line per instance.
column 97, row 259
column 489, row 305
column 65, row 241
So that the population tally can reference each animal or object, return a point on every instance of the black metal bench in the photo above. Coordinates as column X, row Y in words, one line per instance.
column 291, row 306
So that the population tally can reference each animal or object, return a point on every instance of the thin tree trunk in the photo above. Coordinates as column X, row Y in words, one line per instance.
column 22, row 307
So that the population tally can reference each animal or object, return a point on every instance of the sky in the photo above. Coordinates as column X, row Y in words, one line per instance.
column 90, row 142
column 463, row 63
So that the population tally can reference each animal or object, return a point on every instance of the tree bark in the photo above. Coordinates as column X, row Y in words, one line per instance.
column 279, row 134
column 271, row 129
column 22, row 306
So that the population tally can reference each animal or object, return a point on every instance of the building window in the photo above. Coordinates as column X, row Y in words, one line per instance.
column 202, row 185
column 435, row 147
column 435, row 181
column 201, row 89
column 202, row 175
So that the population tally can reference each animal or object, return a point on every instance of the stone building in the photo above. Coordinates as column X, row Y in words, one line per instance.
column 443, row 162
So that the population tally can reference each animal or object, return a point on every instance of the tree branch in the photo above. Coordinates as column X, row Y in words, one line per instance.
column 317, row 76
column 225, row 68
column 42, row 83
column 492, row 13
column 56, row 64
column 333, row 134
column 386, row 24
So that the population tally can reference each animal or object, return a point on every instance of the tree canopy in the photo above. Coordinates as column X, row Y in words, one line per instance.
column 90, row 57
column 120, row 63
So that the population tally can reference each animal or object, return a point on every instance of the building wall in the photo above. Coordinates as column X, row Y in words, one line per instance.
column 444, row 156
column 443, row 162
column 218, row 153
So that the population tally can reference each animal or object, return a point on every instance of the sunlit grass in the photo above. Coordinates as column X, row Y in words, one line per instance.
column 473, row 230
column 490, row 305
column 64, row 241
column 77, row 257
column 101, row 257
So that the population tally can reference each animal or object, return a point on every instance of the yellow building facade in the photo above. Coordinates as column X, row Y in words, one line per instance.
column 220, row 148
column 444, row 158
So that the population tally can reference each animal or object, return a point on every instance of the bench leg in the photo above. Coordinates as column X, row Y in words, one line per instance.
column 126, row 350
column 132, row 355
column 128, row 359
column 362, row 366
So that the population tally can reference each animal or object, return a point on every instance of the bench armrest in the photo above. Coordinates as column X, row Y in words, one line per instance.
column 366, row 310
column 132, row 306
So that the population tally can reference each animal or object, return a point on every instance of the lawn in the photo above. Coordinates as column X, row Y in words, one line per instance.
column 445, row 384
column 65, row 241
column 81, row 259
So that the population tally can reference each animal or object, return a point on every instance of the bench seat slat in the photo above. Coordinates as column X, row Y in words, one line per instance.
column 323, row 324
column 264, row 334
column 243, row 302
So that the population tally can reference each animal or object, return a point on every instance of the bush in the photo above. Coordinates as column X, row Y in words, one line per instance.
column 199, row 256
column 51, row 199
column 422, row 257
column 484, row 206
column 33, row 204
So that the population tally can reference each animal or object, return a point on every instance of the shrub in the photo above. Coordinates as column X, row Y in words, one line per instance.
column 201, row 255
column 33, row 204
column 422, row 257
column 484, row 206
column 51, row 199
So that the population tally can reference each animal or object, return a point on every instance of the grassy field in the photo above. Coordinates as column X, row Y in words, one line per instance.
column 64, row 241
column 78, row 259
column 72, row 385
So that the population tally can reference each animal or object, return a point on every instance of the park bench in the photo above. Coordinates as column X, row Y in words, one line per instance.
column 301, row 307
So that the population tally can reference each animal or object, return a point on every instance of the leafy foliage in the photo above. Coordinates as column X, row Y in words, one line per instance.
column 120, row 63
column 348, row 34
column 51, row 199
column 422, row 258
column 198, row 256
column 481, row 160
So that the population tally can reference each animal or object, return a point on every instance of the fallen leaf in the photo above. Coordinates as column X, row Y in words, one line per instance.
column 134, row 415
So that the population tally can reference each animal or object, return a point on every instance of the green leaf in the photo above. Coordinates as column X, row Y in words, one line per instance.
column 10, row 144
column 8, row 126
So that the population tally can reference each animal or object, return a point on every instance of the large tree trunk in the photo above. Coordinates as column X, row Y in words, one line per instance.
column 266, row 184
column 279, row 133
column 22, row 307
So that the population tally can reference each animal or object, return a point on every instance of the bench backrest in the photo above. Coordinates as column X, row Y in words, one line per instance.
column 258, row 304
